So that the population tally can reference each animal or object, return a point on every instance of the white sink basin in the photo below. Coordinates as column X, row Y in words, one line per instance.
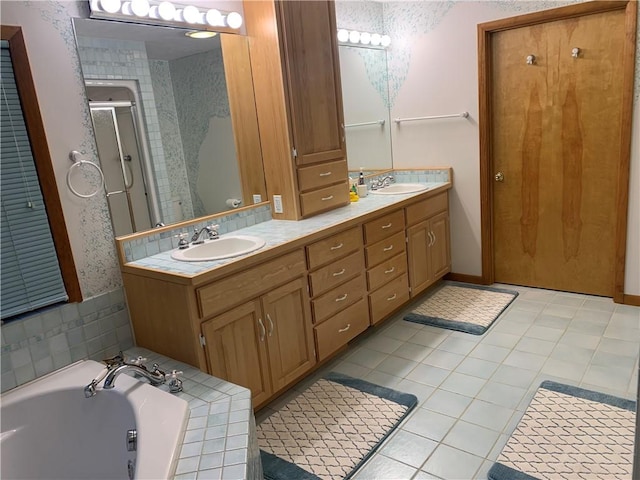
column 400, row 188
column 223, row 247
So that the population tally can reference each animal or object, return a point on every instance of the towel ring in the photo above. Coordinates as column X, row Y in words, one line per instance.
column 76, row 163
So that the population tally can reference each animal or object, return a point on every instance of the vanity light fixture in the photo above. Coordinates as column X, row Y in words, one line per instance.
column 356, row 38
column 155, row 12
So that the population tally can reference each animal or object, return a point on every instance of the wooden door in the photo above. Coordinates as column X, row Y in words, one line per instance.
column 289, row 335
column 556, row 146
column 313, row 80
column 236, row 349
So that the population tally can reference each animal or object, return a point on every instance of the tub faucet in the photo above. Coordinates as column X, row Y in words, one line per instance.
column 118, row 365
column 211, row 230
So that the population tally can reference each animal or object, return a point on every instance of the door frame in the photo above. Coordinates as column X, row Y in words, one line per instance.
column 485, row 33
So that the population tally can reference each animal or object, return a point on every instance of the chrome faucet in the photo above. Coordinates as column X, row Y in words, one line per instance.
column 211, row 230
column 155, row 376
column 118, row 365
column 383, row 182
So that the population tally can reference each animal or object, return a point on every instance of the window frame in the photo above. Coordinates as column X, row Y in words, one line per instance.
column 42, row 158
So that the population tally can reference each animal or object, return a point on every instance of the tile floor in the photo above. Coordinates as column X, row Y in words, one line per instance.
column 472, row 389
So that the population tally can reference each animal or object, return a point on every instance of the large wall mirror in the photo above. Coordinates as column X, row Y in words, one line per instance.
column 365, row 95
column 166, row 109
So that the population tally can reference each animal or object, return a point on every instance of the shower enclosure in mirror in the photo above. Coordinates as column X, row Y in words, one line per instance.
column 162, row 106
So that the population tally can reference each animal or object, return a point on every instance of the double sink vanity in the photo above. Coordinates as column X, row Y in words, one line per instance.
column 266, row 318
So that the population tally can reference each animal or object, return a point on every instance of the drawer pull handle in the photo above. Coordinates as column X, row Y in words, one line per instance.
column 387, row 249
column 342, row 330
column 388, row 225
column 342, row 298
column 341, row 272
column 392, row 297
column 325, row 174
column 263, row 331
column 391, row 270
column 324, row 199
column 270, row 324
column 337, row 247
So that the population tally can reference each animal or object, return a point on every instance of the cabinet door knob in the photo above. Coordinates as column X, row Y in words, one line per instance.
column 387, row 249
column 499, row 177
column 337, row 247
column 341, row 272
column 324, row 199
column 263, row 331
column 342, row 330
column 325, row 174
column 342, row 298
column 392, row 297
column 391, row 270
column 388, row 225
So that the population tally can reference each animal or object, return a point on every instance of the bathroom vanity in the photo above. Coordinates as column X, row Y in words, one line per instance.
column 266, row 319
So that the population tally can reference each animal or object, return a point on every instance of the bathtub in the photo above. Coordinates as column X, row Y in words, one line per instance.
column 49, row 430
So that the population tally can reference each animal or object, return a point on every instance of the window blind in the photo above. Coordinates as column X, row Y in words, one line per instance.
column 30, row 272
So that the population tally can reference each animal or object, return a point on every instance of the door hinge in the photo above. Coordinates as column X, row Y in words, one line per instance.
column 295, row 153
column 203, row 341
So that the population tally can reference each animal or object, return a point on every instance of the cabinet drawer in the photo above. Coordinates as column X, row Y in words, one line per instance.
column 337, row 299
column 334, row 247
column 335, row 273
column 426, row 208
column 385, row 249
column 223, row 294
column 341, row 328
column 386, row 271
column 323, row 174
column 382, row 227
column 386, row 299
column 324, row 199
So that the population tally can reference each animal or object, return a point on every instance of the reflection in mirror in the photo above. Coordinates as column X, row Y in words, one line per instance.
column 164, row 126
column 365, row 96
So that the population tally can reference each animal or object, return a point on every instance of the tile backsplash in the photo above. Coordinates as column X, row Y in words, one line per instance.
column 52, row 338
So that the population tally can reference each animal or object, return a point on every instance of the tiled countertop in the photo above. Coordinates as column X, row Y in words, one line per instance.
column 219, row 440
column 279, row 232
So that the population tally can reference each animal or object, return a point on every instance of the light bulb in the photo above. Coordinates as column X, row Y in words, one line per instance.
column 343, row 35
column 110, row 6
column 140, row 8
column 166, row 11
column 126, row 8
column 365, row 38
column 191, row 14
column 354, row 36
column 214, row 18
column 385, row 41
column 153, row 12
column 234, row 20
column 375, row 39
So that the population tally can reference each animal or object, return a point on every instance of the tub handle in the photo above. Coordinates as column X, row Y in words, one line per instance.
column 132, row 440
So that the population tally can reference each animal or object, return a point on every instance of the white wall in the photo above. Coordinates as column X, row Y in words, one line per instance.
column 433, row 71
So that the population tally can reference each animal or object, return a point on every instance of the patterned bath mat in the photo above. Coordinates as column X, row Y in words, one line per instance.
column 330, row 429
column 462, row 307
column 569, row 432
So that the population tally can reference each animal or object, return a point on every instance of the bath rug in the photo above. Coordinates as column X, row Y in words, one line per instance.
column 569, row 432
column 330, row 429
column 462, row 307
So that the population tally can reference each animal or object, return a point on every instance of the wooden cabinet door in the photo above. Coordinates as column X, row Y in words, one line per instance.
column 418, row 253
column 236, row 349
column 440, row 252
column 289, row 333
column 313, row 80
